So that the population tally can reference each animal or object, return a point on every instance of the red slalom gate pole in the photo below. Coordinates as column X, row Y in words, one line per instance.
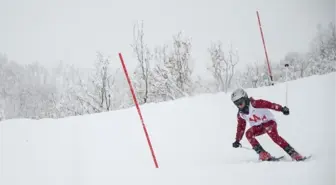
column 138, row 108
column 263, row 41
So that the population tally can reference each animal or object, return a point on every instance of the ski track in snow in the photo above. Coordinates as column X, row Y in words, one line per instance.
column 192, row 139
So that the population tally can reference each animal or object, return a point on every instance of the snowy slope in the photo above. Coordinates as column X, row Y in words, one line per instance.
column 192, row 139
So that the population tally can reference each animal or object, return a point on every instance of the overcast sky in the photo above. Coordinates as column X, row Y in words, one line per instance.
column 48, row 31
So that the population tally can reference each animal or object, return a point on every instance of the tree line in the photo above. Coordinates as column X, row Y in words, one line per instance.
column 163, row 73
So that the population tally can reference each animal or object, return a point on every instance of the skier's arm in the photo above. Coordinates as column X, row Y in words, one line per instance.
column 240, row 128
column 266, row 104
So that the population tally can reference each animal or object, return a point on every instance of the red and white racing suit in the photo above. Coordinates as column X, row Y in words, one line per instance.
column 261, row 120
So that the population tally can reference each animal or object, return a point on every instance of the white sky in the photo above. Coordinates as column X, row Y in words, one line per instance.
column 48, row 31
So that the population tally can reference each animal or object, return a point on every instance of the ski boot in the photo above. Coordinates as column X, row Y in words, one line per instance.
column 294, row 154
column 263, row 155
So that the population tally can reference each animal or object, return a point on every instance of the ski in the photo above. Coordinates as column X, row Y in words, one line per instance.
column 274, row 159
column 282, row 158
column 305, row 158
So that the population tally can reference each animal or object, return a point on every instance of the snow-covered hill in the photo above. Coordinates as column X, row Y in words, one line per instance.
column 192, row 140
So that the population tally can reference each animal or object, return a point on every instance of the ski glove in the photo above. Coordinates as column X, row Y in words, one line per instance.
column 236, row 144
column 285, row 110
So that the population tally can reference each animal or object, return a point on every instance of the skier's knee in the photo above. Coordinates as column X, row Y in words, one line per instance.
column 249, row 134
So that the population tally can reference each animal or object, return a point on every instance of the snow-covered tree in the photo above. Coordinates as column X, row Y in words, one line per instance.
column 298, row 64
column 179, row 63
column 324, row 44
column 254, row 75
column 25, row 90
column 172, row 72
column 162, row 84
column 92, row 93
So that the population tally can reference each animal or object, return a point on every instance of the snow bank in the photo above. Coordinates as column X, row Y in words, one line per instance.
column 192, row 139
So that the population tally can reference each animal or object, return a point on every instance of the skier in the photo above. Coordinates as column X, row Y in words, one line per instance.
column 257, row 113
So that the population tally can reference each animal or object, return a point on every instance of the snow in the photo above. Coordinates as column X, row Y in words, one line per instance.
column 192, row 139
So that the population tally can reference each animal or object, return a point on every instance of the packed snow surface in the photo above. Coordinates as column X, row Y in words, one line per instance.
column 192, row 140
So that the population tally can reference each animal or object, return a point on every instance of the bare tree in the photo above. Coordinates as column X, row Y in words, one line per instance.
column 223, row 66
column 102, row 80
column 94, row 95
column 143, row 56
column 179, row 63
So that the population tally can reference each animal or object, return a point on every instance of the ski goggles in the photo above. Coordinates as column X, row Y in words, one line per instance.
column 239, row 102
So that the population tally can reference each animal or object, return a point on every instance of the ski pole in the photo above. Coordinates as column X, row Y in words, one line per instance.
column 247, row 148
column 286, row 65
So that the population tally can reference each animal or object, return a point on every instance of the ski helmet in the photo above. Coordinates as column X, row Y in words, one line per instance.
column 238, row 94
column 239, row 97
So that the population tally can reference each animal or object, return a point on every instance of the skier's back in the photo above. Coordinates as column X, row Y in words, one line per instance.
column 257, row 113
